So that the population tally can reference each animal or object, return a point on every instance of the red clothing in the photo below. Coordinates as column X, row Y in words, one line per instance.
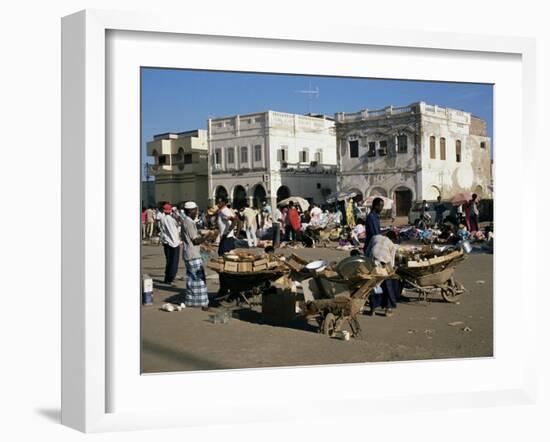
column 294, row 219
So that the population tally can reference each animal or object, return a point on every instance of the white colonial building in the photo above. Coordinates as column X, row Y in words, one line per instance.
column 180, row 166
column 412, row 153
column 269, row 156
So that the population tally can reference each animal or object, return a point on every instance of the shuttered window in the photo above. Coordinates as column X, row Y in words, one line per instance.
column 402, row 144
column 432, row 148
column 354, row 149
column 442, row 149
column 257, row 153
column 244, row 155
column 458, row 151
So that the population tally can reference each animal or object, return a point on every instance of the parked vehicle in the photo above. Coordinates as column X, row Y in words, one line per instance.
column 415, row 214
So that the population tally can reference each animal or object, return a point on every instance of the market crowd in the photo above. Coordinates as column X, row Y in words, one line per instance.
column 184, row 229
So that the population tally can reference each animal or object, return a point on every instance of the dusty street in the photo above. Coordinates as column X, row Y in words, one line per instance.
column 187, row 340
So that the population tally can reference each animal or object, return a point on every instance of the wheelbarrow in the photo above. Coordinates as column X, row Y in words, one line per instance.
column 237, row 289
column 426, row 282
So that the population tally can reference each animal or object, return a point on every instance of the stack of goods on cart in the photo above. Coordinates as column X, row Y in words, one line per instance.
column 428, row 258
column 242, row 261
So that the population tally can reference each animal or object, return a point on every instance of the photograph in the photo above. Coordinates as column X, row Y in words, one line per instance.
column 303, row 220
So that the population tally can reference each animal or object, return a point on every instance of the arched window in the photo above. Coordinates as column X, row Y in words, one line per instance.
column 442, row 149
column 432, row 147
column 458, row 151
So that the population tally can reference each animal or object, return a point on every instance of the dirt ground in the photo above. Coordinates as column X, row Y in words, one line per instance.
column 188, row 340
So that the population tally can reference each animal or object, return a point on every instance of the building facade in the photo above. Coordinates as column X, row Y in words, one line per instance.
column 180, row 166
column 412, row 153
column 269, row 156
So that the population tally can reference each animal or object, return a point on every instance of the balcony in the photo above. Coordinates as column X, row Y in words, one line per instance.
column 312, row 168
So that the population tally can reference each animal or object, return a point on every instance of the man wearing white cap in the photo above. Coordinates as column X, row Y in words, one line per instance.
column 196, row 294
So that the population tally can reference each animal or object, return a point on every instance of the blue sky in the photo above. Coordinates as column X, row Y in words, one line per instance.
column 175, row 100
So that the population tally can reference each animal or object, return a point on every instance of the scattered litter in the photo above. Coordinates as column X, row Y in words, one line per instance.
column 221, row 317
column 412, row 330
column 457, row 303
column 467, row 329
column 168, row 307
column 433, row 318
column 342, row 335
column 172, row 307
column 455, row 323
column 480, row 282
column 429, row 331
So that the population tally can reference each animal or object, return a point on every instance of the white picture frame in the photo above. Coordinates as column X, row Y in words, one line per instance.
column 87, row 355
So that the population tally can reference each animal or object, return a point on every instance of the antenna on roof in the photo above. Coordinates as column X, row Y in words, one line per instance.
column 311, row 94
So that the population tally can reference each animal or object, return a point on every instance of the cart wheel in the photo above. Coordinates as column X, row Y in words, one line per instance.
column 449, row 294
column 329, row 325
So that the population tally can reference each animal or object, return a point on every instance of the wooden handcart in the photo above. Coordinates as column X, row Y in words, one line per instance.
column 334, row 314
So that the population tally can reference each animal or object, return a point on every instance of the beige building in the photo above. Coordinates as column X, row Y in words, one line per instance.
column 180, row 166
column 269, row 156
column 412, row 153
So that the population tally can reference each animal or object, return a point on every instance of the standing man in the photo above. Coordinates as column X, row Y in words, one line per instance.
column 226, row 225
column 170, row 238
column 266, row 214
column 143, row 221
column 439, row 210
column 294, row 222
column 315, row 215
column 474, row 213
column 149, row 221
column 196, row 293
column 372, row 223
column 250, row 225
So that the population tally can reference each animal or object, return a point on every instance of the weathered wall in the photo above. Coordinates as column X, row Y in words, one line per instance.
column 447, row 177
column 381, row 174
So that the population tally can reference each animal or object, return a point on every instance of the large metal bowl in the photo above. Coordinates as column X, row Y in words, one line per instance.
column 347, row 268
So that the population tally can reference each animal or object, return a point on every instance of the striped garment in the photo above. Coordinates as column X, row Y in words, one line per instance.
column 196, row 293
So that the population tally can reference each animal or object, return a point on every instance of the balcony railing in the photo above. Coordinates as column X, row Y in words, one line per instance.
column 308, row 168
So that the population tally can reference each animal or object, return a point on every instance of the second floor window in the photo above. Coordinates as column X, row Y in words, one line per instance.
column 304, row 156
column 319, row 157
column 217, row 156
column 402, row 144
column 231, row 155
column 458, row 151
column 432, row 148
column 257, row 153
column 383, row 149
column 354, row 149
column 244, row 155
column 442, row 149
column 282, row 153
column 372, row 149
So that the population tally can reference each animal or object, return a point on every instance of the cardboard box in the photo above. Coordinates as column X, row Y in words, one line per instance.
column 260, row 267
column 260, row 262
column 244, row 266
column 215, row 265
column 279, row 306
column 231, row 266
